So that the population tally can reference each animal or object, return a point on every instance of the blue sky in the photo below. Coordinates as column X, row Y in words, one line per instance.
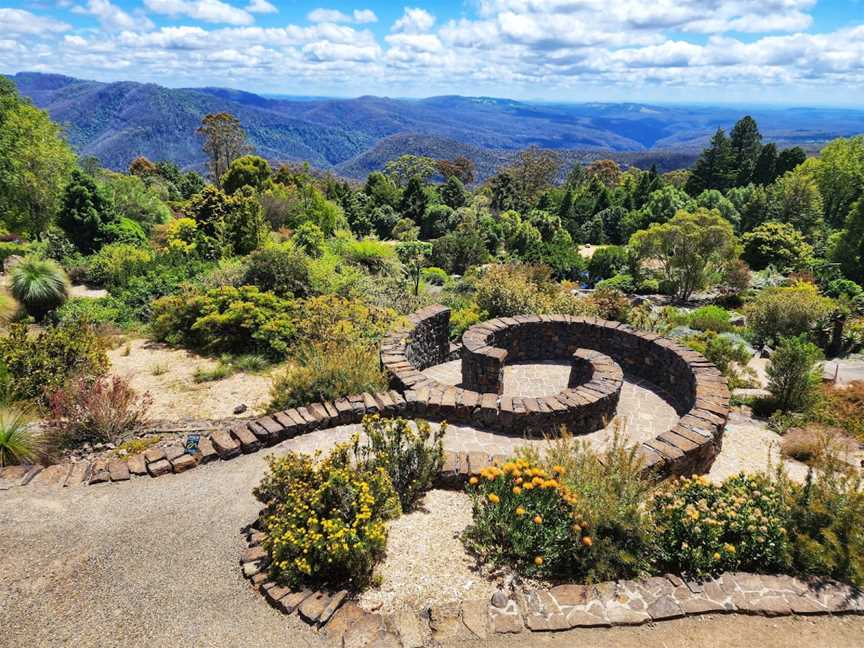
column 750, row 51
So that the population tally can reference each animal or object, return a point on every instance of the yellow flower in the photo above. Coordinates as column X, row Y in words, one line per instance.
column 716, row 555
column 494, row 498
column 729, row 548
column 517, row 490
column 587, row 541
column 538, row 519
column 473, row 481
column 558, row 469
column 538, row 560
column 520, row 511
column 527, row 485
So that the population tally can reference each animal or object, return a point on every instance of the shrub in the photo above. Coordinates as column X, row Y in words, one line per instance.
column 791, row 311
column 826, row 524
column 100, row 410
column 506, row 290
column 412, row 457
column 524, row 517
column 621, row 282
column 336, row 321
column 777, row 244
column 310, row 239
column 609, row 303
column 40, row 285
column 116, row 263
column 10, row 248
column 710, row 318
column 610, row 488
column 17, row 443
column 461, row 319
column 229, row 320
column 814, row 444
column 102, row 312
column 793, row 375
column 726, row 354
column 435, row 276
column 371, row 255
column 325, row 372
column 41, row 364
column 282, row 269
column 842, row 407
column 705, row 529
column 324, row 523
column 606, row 262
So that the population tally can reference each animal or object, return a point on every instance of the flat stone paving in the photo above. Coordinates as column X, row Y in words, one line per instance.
column 643, row 411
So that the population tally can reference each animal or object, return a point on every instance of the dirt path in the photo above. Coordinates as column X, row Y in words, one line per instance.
column 168, row 375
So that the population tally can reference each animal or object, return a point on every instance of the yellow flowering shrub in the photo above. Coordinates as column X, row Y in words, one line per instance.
column 325, row 521
column 704, row 528
column 525, row 517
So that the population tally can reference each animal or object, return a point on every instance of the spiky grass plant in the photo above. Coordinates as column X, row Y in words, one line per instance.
column 39, row 285
column 17, row 442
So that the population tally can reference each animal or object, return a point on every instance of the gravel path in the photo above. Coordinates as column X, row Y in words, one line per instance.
column 146, row 563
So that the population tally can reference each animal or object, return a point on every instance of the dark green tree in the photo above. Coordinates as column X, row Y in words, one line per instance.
column 715, row 168
column 790, row 158
column 414, row 201
column 247, row 171
column 453, row 193
column 746, row 142
column 765, row 171
column 86, row 213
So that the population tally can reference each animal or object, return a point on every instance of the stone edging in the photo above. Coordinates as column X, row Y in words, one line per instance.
column 687, row 448
column 702, row 396
column 564, row 607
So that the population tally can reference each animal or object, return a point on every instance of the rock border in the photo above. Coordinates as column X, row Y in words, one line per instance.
column 690, row 446
column 701, row 394
column 564, row 607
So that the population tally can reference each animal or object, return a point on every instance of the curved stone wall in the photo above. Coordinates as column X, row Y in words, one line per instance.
column 696, row 387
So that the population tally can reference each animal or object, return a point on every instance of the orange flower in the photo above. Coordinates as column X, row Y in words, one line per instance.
column 473, row 481
column 538, row 519
column 517, row 490
column 494, row 498
column 587, row 541
column 538, row 560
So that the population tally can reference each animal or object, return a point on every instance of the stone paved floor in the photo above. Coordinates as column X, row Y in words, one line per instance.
column 642, row 411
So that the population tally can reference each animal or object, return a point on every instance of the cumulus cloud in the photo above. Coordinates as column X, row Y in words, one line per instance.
column 18, row 21
column 261, row 7
column 414, row 21
column 358, row 16
column 112, row 17
column 212, row 11
column 506, row 44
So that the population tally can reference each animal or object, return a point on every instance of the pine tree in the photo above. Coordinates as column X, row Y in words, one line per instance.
column 765, row 171
column 715, row 168
column 746, row 142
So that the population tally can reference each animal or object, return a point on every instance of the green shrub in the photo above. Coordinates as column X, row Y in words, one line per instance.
column 609, row 303
column 39, row 285
column 167, row 275
column 411, row 457
column 606, row 262
column 310, row 239
column 282, row 269
column 42, row 363
column 791, row 311
column 325, row 372
column 710, row 318
column 506, row 290
column 525, row 518
column 104, row 311
column 793, row 374
column 115, row 264
column 621, row 282
column 461, row 319
column 324, row 523
column 371, row 255
column 17, row 443
column 726, row 354
column 776, row 244
column 102, row 410
column 826, row 524
column 705, row 529
column 610, row 489
column 227, row 320
column 9, row 248
column 124, row 230
column 435, row 276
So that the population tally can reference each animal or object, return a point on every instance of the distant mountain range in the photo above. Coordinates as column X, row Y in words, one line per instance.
column 118, row 121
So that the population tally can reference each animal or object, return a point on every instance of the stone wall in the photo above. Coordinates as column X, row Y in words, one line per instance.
column 425, row 342
column 696, row 387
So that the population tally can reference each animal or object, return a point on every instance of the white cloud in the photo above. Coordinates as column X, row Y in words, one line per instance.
column 358, row 16
column 112, row 17
column 261, row 7
column 414, row 21
column 213, row 11
column 18, row 21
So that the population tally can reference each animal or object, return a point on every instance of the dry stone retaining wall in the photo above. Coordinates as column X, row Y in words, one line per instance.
column 564, row 607
column 696, row 387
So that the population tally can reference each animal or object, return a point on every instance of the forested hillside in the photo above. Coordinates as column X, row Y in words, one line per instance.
column 116, row 122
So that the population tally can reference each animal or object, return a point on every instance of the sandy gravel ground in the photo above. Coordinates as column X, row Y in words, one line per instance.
column 175, row 394
column 426, row 562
